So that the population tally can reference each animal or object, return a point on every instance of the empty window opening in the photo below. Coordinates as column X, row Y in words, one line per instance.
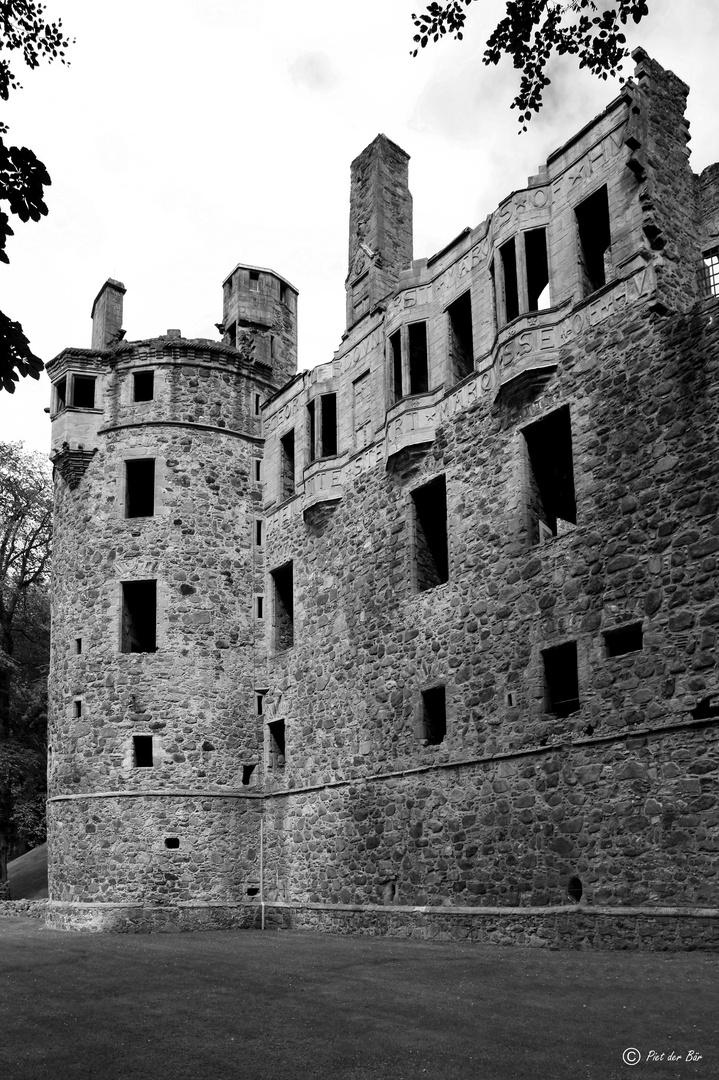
column 172, row 841
column 312, row 428
column 231, row 333
column 710, row 272
column 253, row 890
column 329, row 425
column 511, row 698
column 273, row 351
column 287, row 464
column 277, row 743
column 624, row 639
column 461, row 349
column 143, row 385
column 283, row 293
column 535, row 250
column 574, row 889
column 260, row 702
column 142, row 745
column 258, row 470
column 140, row 488
column 77, row 708
column 284, row 634
column 594, row 240
column 396, row 346
column 258, row 403
column 139, row 616
column 434, row 715
column 260, row 607
column 418, row 370
column 83, row 392
column 430, row 534
column 258, row 532
column 509, row 277
column 78, row 645
column 254, row 281
column 551, row 501
column 61, row 394
column 247, row 771
column 561, row 682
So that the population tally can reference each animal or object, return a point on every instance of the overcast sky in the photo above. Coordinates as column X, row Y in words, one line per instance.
column 189, row 135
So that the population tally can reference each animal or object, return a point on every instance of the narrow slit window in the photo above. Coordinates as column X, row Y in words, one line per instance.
column 395, row 343
column 143, row 385
column 418, row 367
column 142, row 745
column 260, row 607
column 77, row 708
column 312, row 430
column 624, row 639
column 258, row 470
column 258, row 532
column 276, row 732
column 561, row 681
column 508, row 256
column 551, row 502
column 535, row 250
column 594, row 240
column 329, row 425
column 83, row 392
column 140, row 488
column 461, row 349
column 78, row 645
column 232, row 334
column 139, row 616
column 287, row 464
column 434, row 715
column 283, row 589
column 258, row 403
column 431, row 560
column 260, row 702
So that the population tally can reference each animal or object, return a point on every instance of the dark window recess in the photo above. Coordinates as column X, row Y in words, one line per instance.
column 143, row 752
column 561, row 683
column 258, row 470
column 258, row 532
column 508, row 256
column 277, row 742
column 624, row 639
column 273, row 348
column 329, row 425
column 78, row 645
column 61, row 390
column 253, row 890
column 461, row 349
column 418, row 370
column 551, row 474
column 247, row 771
column 434, row 715
column 140, row 488
column 232, row 334
column 312, row 429
column 430, row 529
column 83, row 392
column 535, row 250
column 260, row 704
column 258, row 402
column 260, row 607
column 254, row 281
column 139, row 616
column 283, row 293
column 172, row 841
column 143, row 385
column 284, row 635
column 710, row 272
column 396, row 346
column 287, row 464
column 594, row 240
column 574, row 889
column 78, row 708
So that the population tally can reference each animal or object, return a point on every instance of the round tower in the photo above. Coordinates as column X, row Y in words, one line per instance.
column 157, row 667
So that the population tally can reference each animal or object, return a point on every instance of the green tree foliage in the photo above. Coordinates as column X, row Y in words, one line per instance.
column 25, row 35
column 25, row 546
column 533, row 30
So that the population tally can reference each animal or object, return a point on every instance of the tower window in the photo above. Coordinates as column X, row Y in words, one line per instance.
column 143, row 385
column 594, row 240
column 140, row 487
column 284, row 634
column 550, row 482
column 328, row 433
column 430, row 534
column 139, row 616
column 561, row 682
column 535, row 251
column 259, row 532
column 624, row 639
column 142, row 746
column 287, row 465
column 461, row 349
column 258, row 470
column 395, row 343
column 83, row 392
column 276, row 732
column 434, row 715
column 418, row 370
column 312, row 428
column 258, row 403
column 60, row 394
column 254, row 281
column 231, row 333
column 508, row 255
column 711, row 272
column 260, row 607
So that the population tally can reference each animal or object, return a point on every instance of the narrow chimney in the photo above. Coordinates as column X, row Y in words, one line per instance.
column 107, row 315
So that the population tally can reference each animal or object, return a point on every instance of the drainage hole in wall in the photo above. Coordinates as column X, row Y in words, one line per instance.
column 253, row 890
column 574, row 889
column 172, row 842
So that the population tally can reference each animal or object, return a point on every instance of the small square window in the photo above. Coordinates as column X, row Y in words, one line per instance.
column 624, row 639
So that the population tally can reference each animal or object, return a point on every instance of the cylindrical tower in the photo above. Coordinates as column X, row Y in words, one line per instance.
column 157, row 645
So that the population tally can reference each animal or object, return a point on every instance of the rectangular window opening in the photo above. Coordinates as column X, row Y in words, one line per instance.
column 83, row 392
column 258, row 403
column 508, row 256
column 329, row 425
column 143, row 385
column 254, row 281
column 142, row 746
column 283, row 586
column 140, row 487
column 710, row 272
column 430, row 534
column 396, row 346
column 594, row 240
column 461, row 349
column 78, row 645
column 277, row 743
column 418, row 368
column 77, row 707
column 139, row 616
column 231, row 333
column 312, row 429
column 434, row 715
column 551, row 500
column 258, row 532
column 258, row 470
column 535, row 250
column 260, row 702
column 283, row 293
column 561, row 681
column 287, row 465
column 61, row 392
column 260, row 607
column 624, row 639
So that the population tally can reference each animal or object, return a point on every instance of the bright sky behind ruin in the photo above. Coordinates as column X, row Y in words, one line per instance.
column 189, row 135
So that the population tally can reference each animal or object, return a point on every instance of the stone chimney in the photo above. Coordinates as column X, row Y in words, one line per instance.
column 107, row 315
column 380, row 242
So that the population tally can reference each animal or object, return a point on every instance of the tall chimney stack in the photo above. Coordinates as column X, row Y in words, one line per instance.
column 107, row 315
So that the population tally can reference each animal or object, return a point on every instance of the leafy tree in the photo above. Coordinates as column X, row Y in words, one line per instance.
column 23, row 177
column 532, row 30
column 25, row 545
